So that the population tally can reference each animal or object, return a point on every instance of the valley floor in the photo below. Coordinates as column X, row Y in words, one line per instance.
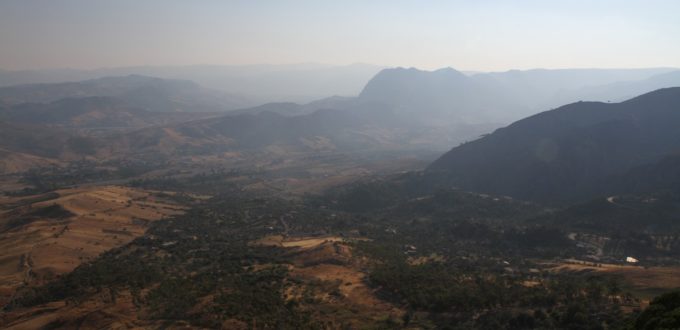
column 318, row 243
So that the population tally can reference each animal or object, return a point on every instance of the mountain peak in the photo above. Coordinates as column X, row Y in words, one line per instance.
column 402, row 72
column 396, row 81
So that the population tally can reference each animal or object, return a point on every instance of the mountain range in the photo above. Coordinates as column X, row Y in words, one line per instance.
column 149, row 93
column 446, row 95
column 257, row 84
column 554, row 155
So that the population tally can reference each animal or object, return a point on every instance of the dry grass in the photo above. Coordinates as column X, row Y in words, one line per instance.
column 307, row 243
column 16, row 162
column 643, row 281
column 300, row 242
column 104, row 218
column 98, row 312
column 356, row 303
column 328, row 260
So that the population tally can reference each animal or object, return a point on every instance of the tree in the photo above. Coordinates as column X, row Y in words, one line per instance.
column 662, row 313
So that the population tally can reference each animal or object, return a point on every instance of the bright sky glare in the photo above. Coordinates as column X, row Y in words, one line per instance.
column 484, row 35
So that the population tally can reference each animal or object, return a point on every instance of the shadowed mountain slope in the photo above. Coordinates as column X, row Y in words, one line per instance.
column 567, row 153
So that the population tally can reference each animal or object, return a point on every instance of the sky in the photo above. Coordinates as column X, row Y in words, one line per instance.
column 482, row 35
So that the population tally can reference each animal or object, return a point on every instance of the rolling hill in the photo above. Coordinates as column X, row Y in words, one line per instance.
column 259, row 84
column 44, row 142
column 95, row 112
column 149, row 93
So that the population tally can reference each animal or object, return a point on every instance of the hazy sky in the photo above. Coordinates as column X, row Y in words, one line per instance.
column 469, row 35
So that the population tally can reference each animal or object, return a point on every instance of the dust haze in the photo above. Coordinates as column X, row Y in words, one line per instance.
column 339, row 165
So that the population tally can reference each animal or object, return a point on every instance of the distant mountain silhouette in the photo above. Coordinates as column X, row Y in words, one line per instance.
column 260, row 84
column 447, row 96
column 152, row 94
column 442, row 97
column 540, row 89
column 619, row 91
column 398, row 109
column 567, row 153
